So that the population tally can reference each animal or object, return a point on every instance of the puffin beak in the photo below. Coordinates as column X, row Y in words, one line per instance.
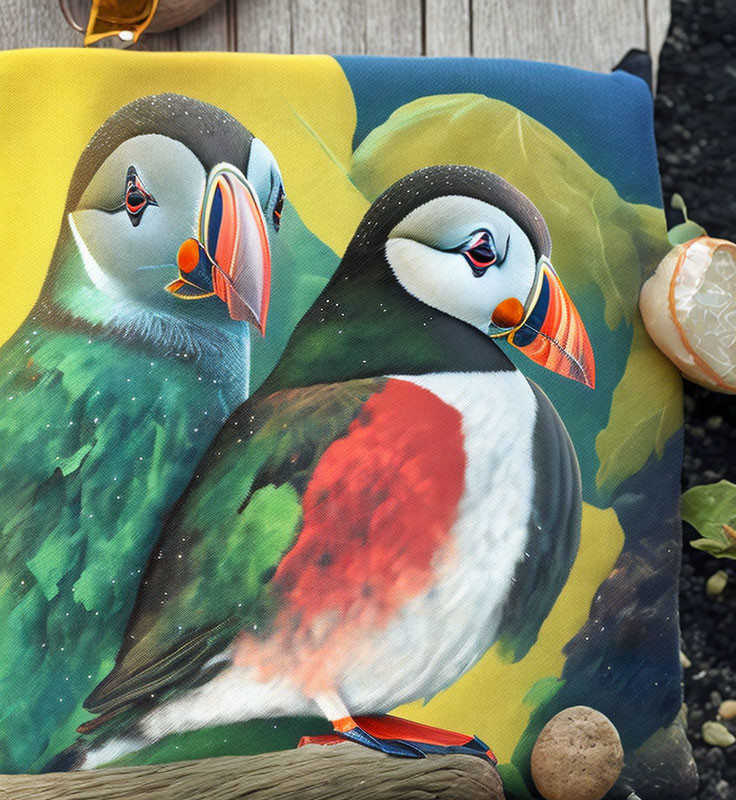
column 231, row 258
column 551, row 331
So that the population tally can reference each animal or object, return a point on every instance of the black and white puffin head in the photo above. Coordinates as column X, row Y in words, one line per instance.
column 174, row 199
column 468, row 243
column 463, row 256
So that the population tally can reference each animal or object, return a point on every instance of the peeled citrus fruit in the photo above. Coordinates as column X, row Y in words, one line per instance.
column 689, row 309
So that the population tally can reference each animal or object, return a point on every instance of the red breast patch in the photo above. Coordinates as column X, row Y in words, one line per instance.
column 380, row 504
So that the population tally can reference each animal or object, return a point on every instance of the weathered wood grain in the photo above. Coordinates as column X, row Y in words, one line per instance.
column 39, row 24
column 329, row 26
column 658, row 25
column 164, row 42
column 447, row 28
column 394, row 27
column 208, row 32
column 338, row 772
column 175, row 13
column 379, row 27
column 591, row 34
column 262, row 26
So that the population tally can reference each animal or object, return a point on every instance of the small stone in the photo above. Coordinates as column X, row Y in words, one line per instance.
column 717, row 735
column 577, row 756
column 685, row 662
column 727, row 709
column 723, row 788
column 643, row 767
column 715, row 585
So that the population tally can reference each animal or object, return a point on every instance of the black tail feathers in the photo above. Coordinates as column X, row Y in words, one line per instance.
column 67, row 760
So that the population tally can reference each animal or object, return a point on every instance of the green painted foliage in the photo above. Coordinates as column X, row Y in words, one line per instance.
column 640, row 421
column 711, row 510
column 538, row 697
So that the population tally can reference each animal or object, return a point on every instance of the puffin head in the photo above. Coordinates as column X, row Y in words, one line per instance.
column 173, row 199
column 468, row 243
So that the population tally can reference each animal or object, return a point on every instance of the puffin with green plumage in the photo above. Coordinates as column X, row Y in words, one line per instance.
column 129, row 363
column 392, row 501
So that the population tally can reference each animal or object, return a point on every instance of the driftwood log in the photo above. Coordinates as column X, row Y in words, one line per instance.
column 338, row 772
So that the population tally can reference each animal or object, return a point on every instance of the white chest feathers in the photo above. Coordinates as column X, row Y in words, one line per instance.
column 440, row 634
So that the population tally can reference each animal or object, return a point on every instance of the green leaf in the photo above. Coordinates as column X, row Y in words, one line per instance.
column 640, row 421
column 678, row 202
column 711, row 510
column 684, row 232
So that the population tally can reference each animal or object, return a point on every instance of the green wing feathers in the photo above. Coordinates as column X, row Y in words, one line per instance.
column 209, row 575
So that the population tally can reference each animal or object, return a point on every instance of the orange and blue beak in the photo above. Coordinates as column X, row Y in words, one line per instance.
column 231, row 257
column 549, row 330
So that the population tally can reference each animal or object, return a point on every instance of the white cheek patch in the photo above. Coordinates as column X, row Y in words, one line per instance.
column 446, row 282
column 441, row 280
column 423, row 252
column 175, row 178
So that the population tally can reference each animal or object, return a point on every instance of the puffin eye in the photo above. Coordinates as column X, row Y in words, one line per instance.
column 278, row 208
column 137, row 197
column 480, row 252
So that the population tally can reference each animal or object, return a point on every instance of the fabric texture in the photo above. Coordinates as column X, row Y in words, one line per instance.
column 577, row 147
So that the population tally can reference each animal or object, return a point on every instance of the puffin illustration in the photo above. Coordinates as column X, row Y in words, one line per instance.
column 114, row 386
column 392, row 501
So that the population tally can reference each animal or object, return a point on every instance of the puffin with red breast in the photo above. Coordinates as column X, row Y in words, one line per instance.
column 396, row 497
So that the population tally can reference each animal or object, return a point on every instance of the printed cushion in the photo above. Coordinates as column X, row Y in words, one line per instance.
column 325, row 395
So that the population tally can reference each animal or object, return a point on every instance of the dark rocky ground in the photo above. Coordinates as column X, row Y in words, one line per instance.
column 696, row 133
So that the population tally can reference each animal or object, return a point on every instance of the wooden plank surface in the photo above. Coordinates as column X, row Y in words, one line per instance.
column 394, row 27
column 211, row 31
column 658, row 25
column 165, row 42
column 38, row 24
column 447, row 28
column 592, row 34
column 262, row 26
column 328, row 26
